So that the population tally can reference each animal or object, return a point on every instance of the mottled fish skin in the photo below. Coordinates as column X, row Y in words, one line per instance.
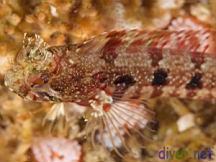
column 112, row 74
column 140, row 64
column 159, row 63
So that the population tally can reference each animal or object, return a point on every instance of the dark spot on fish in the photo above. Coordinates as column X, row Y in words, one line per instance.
column 127, row 80
column 160, row 77
column 195, row 82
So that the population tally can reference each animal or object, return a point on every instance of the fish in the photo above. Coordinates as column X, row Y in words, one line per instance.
column 113, row 74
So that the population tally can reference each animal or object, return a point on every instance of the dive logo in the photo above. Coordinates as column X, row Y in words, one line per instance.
column 167, row 153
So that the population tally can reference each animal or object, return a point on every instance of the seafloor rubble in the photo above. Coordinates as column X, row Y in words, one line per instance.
column 182, row 124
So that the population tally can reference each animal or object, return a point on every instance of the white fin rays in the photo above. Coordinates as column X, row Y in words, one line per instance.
column 118, row 119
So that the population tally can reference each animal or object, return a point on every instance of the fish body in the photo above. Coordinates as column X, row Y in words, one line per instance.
column 118, row 67
column 140, row 63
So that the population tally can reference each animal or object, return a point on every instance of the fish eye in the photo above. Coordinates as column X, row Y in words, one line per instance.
column 34, row 55
column 38, row 54
column 30, row 54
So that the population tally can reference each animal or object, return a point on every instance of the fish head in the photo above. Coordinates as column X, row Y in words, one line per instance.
column 29, row 75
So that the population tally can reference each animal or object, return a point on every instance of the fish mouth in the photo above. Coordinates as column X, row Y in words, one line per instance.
column 14, row 79
column 45, row 96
